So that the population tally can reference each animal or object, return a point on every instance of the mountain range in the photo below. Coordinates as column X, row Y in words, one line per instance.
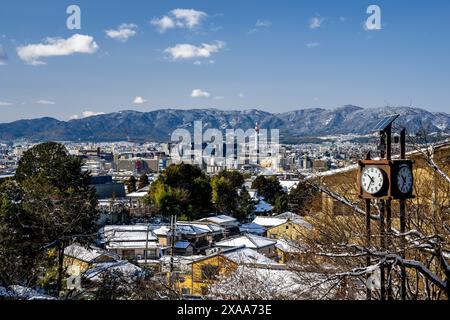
column 158, row 125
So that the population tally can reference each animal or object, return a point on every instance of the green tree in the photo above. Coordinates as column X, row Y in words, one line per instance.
column 269, row 188
column 224, row 195
column 143, row 181
column 281, row 203
column 131, row 184
column 227, row 191
column 246, row 205
column 182, row 189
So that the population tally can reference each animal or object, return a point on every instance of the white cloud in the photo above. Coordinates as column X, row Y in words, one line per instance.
column 263, row 23
column 3, row 56
column 139, row 100
column 45, row 102
column 198, row 93
column 179, row 18
column 85, row 114
column 189, row 51
column 259, row 25
column 123, row 32
column 5, row 104
column 53, row 47
column 315, row 22
column 312, row 44
column 163, row 24
column 188, row 18
column 199, row 63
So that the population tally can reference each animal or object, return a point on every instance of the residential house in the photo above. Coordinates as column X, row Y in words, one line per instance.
column 230, row 224
column 78, row 259
column 205, row 271
column 260, row 244
column 134, row 243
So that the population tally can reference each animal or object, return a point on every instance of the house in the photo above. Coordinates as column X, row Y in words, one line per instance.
column 135, row 242
column 230, row 224
column 183, row 248
column 287, row 225
column 201, row 235
column 252, row 228
column 78, row 259
column 260, row 244
column 205, row 271
column 288, row 251
column 293, row 228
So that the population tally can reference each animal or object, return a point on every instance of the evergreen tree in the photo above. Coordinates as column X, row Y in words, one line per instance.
column 49, row 205
column 131, row 184
column 143, row 181
column 269, row 188
column 181, row 189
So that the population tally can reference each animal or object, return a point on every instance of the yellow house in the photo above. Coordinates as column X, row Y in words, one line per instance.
column 78, row 259
column 205, row 271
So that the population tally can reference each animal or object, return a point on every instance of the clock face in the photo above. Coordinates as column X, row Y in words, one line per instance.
column 372, row 180
column 404, row 179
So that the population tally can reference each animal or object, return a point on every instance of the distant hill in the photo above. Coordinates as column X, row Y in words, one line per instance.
column 158, row 125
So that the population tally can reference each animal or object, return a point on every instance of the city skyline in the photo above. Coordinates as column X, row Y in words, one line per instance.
column 229, row 56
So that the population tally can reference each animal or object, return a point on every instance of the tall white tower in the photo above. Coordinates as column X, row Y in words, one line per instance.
column 257, row 142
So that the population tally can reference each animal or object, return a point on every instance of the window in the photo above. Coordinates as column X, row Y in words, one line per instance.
column 209, row 272
column 185, row 291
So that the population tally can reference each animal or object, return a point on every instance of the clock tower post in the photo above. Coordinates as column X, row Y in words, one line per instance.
column 384, row 180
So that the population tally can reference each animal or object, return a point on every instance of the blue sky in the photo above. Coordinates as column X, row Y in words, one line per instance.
column 271, row 55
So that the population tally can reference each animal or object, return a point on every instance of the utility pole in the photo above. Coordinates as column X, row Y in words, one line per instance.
column 403, row 220
column 146, row 244
column 172, row 247
column 173, row 222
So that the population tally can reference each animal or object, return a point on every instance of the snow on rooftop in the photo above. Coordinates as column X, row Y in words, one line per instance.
column 252, row 228
column 248, row 256
column 288, row 184
column 137, row 194
column 220, row 219
column 289, row 247
column 131, row 233
column 84, row 254
column 248, row 240
column 269, row 221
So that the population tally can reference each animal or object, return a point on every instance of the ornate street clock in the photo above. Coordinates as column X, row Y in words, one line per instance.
column 385, row 179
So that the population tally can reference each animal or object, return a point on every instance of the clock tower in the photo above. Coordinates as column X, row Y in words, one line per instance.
column 382, row 181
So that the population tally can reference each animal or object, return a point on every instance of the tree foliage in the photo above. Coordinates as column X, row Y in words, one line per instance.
column 48, row 205
column 131, row 184
column 143, row 181
column 181, row 189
